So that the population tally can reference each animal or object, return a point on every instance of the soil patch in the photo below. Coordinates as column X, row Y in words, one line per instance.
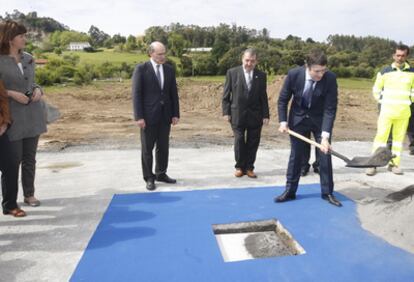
column 102, row 114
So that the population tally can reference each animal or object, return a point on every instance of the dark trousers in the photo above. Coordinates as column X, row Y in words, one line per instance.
column 246, row 143
column 152, row 135
column 306, row 127
column 24, row 153
column 9, row 175
column 307, row 154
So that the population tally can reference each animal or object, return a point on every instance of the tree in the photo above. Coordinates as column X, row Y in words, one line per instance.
column 186, row 65
column 176, row 44
column 231, row 59
column 118, row 39
column 131, row 43
column 156, row 33
column 97, row 36
column 204, row 64
column 63, row 38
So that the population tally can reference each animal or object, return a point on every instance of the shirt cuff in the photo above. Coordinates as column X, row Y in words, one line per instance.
column 325, row 134
column 283, row 123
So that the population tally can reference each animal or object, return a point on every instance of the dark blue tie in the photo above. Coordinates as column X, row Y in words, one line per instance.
column 307, row 94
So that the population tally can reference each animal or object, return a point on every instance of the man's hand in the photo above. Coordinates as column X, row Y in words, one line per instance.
column 37, row 95
column 227, row 118
column 175, row 120
column 141, row 123
column 283, row 127
column 265, row 121
column 326, row 147
column 18, row 96
column 3, row 129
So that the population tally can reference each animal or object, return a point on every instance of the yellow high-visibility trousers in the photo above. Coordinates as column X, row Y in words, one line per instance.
column 399, row 129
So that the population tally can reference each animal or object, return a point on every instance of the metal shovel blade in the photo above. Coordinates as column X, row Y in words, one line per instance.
column 381, row 157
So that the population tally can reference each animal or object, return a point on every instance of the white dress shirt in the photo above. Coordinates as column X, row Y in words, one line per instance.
column 248, row 75
column 154, row 65
column 324, row 134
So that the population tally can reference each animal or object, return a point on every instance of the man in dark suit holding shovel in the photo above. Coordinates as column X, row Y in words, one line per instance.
column 314, row 93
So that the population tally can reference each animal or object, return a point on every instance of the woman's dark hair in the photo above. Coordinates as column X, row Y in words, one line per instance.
column 8, row 30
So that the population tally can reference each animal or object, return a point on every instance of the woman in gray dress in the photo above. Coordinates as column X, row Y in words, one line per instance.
column 17, row 70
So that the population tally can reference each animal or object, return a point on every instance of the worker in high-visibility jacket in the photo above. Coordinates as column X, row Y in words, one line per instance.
column 394, row 90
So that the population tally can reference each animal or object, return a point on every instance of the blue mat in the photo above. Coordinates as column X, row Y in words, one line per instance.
column 168, row 237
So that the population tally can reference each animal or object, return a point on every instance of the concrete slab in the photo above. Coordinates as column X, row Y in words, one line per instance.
column 77, row 184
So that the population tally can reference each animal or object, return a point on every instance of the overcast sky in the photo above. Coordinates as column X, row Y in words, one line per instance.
column 316, row 19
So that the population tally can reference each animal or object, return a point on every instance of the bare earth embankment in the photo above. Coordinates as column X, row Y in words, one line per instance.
column 102, row 114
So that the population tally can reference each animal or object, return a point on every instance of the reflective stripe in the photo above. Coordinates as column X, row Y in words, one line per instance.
column 397, row 153
column 397, row 144
column 391, row 92
column 395, row 102
column 380, row 144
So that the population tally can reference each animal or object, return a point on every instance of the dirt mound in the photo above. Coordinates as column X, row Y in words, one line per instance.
column 395, row 212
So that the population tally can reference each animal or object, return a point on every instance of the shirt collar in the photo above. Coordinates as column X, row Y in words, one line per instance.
column 406, row 66
column 247, row 72
column 154, row 64
column 307, row 75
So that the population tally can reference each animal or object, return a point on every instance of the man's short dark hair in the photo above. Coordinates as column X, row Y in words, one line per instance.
column 403, row 47
column 316, row 57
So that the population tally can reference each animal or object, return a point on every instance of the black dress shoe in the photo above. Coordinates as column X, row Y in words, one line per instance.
column 332, row 200
column 150, row 185
column 316, row 169
column 286, row 196
column 304, row 172
column 165, row 178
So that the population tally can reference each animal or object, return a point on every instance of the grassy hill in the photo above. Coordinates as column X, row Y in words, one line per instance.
column 107, row 55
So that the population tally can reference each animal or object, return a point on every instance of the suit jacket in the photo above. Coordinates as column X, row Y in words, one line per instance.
column 150, row 102
column 27, row 120
column 246, row 108
column 324, row 100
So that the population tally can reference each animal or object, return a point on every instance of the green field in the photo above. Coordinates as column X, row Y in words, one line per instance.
column 107, row 55
column 355, row 84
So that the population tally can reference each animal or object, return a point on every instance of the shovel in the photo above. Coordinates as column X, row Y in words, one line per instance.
column 381, row 157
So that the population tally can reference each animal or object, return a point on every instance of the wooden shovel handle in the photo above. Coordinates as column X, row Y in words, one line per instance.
column 303, row 138
column 307, row 140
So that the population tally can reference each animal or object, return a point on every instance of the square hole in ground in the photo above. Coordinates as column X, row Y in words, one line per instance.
column 255, row 239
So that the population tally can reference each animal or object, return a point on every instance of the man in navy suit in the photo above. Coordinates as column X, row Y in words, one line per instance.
column 245, row 106
column 314, row 93
column 156, row 107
